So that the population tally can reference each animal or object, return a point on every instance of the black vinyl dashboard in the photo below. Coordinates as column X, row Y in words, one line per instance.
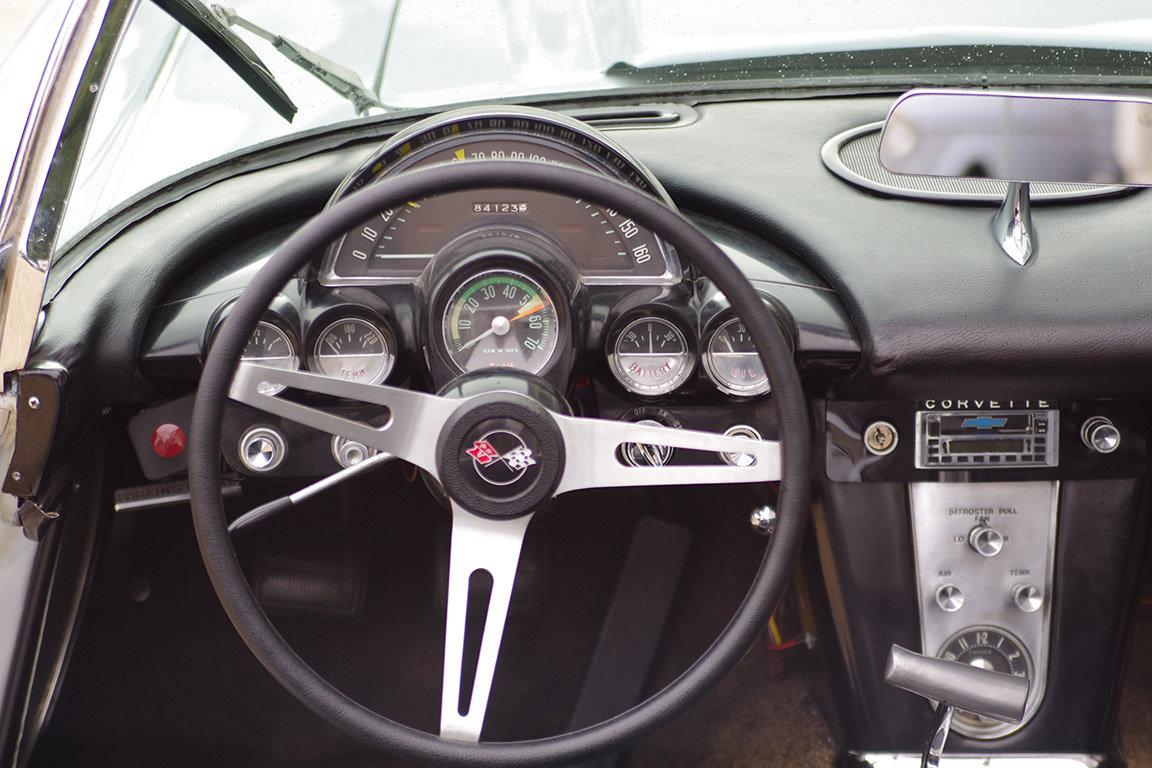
column 577, row 294
column 885, row 298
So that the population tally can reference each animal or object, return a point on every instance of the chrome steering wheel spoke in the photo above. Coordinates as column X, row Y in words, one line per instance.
column 593, row 460
column 483, row 552
column 414, row 418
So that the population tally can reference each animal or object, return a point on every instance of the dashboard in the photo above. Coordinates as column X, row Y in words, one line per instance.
column 576, row 294
column 907, row 324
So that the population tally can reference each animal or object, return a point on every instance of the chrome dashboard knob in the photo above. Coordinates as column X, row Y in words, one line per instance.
column 950, row 598
column 1027, row 598
column 986, row 540
column 1100, row 435
column 262, row 449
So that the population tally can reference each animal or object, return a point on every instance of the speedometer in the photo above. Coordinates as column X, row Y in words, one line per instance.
column 500, row 318
column 397, row 244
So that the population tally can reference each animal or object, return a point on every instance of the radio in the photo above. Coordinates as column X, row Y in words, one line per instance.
column 987, row 439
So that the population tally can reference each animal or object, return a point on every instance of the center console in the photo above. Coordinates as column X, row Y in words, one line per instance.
column 1003, row 534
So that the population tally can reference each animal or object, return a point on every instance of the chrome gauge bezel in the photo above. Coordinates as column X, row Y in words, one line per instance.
column 764, row 387
column 387, row 338
column 289, row 339
column 469, row 277
column 620, row 372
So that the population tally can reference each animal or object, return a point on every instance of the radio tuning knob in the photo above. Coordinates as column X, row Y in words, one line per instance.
column 986, row 540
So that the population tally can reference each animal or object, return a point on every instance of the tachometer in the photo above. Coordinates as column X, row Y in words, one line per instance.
column 500, row 318
column 651, row 356
column 355, row 349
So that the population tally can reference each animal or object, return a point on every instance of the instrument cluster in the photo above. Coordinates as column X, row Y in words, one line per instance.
column 502, row 278
column 501, row 317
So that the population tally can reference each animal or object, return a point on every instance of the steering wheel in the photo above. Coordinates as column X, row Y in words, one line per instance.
column 558, row 453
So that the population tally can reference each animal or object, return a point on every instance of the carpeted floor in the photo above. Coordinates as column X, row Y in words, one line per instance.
column 1136, row 699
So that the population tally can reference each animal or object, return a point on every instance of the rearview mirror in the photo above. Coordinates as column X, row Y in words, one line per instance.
column 1020, row 138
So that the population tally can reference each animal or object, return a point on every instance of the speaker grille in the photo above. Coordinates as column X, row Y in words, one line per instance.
column 854, row 156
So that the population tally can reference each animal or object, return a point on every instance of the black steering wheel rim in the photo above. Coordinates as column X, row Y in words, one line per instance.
column 377, row 731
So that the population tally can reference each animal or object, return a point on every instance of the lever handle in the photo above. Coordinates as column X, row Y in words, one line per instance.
column 980, row 691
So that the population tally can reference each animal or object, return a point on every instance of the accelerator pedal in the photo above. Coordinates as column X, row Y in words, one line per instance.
column 634, row 626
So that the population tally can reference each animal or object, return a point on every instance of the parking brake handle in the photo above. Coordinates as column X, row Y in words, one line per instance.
column 955, row 685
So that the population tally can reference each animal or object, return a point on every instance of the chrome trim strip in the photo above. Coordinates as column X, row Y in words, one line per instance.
column 830, row 154
column 1003, row 760
column 160, row 495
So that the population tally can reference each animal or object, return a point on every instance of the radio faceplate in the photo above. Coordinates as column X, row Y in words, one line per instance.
column 987, row 439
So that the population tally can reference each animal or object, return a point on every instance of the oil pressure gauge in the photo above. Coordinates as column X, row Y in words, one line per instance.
column 733, row 363
column 651, row 356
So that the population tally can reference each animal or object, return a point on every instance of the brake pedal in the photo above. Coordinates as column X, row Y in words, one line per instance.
column 320, row 573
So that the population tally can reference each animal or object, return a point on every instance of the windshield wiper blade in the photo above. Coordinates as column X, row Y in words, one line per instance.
column 233, row 51
column 339, row 78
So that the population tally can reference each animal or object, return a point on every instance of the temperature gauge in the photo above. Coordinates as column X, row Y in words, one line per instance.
column 651, row 356
column 733, row 363
column 355, row 349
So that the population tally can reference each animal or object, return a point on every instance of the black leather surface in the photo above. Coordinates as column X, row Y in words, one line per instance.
column 939, row 307
column 312, row 690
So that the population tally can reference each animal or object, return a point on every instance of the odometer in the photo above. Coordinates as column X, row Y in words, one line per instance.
column 500, row 318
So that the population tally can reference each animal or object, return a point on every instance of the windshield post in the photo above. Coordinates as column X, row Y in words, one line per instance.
column 45, row 165
column 36, row 193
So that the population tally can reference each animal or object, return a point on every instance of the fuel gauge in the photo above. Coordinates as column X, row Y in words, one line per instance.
column 270, row 345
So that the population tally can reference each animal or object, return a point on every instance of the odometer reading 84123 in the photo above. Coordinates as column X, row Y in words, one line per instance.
column 500, row 319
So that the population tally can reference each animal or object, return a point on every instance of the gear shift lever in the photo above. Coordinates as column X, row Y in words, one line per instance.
column 956, row 686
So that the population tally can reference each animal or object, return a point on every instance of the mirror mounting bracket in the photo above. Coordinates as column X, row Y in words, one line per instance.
column 1012, row 225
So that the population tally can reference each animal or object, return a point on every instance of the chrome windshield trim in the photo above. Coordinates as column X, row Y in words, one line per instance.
column 44, row 168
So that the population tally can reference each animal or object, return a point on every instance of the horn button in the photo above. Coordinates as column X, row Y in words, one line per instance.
column 501, row 455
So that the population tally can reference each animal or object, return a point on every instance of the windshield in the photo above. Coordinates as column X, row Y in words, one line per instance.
column 171, row 102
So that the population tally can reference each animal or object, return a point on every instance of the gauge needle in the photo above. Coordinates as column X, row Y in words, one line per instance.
column 500, row 322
